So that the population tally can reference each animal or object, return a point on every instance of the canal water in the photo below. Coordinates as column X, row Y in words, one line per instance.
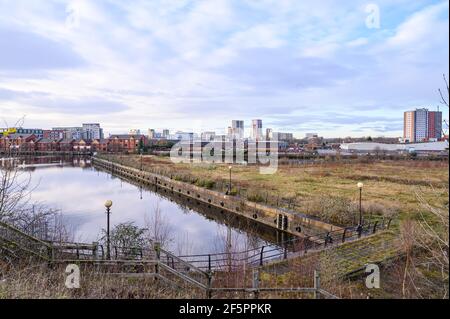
column 78, row 191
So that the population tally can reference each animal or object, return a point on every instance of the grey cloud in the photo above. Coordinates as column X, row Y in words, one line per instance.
column 82, row 106
column 279, row 69
column 25, row 51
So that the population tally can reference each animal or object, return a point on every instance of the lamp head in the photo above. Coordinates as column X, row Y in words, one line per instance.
column 230, row 167
column 360, row 185
column 108, row 203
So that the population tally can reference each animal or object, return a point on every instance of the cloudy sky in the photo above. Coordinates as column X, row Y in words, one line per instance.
column 301, row 66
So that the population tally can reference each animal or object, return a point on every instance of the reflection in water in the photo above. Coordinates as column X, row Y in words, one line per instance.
column 79, row 192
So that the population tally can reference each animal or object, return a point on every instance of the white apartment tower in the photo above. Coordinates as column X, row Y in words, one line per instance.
column 237, row 129
column 257, row 133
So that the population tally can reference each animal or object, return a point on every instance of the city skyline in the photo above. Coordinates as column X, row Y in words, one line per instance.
column 193, row 65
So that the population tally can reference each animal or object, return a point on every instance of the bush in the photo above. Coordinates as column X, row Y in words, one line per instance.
column 209, row 184
column 257, row 198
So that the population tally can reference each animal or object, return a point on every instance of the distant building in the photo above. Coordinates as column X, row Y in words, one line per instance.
column 365, row 147
column 422, row 125
column 39, row 133
column 92, row 131
column 75, row 133
column 208, row 136
column 257, row 129
column 421, row 129
column 311, row 135
column 151, row 133
column 54, row 134
column 230, row 132
column 130, row 143
column 165, row 133
column 237, row 129
column 283, row 136
column 18, row 142
column 182, row 136
column 269, row 134
column 135, row 132
column 409, row 125
column 434, row 125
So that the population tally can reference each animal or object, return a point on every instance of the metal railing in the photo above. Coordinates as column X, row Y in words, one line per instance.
column 20, row 243
column 294, row 247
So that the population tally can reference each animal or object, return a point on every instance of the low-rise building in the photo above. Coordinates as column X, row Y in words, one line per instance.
column 18, row 142
column 66, row 145
column 127, row 143
column 100, row 145
column 47, row 145
column 82, row 146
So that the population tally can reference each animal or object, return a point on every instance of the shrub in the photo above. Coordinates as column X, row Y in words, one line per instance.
column 209, row 184
column 257, row 198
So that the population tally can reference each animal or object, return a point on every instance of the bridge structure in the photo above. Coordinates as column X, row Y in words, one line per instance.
column 199, row 271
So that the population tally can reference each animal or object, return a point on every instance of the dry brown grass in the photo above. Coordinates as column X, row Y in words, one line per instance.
column 390, row 186
column 41, row 282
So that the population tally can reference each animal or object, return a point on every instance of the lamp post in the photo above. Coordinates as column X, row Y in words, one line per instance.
column 360, row 186
column 229, row 185
column 108, row 205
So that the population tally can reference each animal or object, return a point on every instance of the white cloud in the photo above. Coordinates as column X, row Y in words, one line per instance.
column 165, row 59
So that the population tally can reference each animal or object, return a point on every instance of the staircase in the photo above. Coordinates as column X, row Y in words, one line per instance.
column 16, row 244
column 124, row 261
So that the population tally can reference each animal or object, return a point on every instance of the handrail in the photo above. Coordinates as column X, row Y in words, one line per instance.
column 183, row 261
column 21, row 233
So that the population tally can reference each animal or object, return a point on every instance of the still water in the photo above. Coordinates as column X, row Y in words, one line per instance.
column 79, row 190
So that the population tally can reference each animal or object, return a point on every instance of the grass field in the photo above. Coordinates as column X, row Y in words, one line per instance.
column 327, row 190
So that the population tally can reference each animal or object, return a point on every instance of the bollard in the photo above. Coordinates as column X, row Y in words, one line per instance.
column 343, row 235
column 375, row 227
column 94, row 250
column 157, row 248
column 256, row 280
column 316, row 284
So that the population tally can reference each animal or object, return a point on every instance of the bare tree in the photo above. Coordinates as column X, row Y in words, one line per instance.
column 15, row 191
column 158, row 227
column 444, row 100
column 432, row 238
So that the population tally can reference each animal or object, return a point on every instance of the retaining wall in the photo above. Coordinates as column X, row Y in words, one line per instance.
column 291, row 222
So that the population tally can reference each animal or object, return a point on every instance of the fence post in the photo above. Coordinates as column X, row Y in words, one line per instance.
column 157, row 248
column 327, row 238
column 209, row 285
column 261, row 256
column 344, row 234
column 316, row 284
column 256, row 279
column 94, row 250
column 375, row 227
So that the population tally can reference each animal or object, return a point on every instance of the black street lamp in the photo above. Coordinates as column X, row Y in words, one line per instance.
column 108, row 205
column 360, row 186
column 141, row 151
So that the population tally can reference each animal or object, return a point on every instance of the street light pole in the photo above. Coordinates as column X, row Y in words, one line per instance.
column 360, row 186
column 108, row 205
column 360, row 206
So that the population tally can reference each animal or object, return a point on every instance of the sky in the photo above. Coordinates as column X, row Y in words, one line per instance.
column 333, row 67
